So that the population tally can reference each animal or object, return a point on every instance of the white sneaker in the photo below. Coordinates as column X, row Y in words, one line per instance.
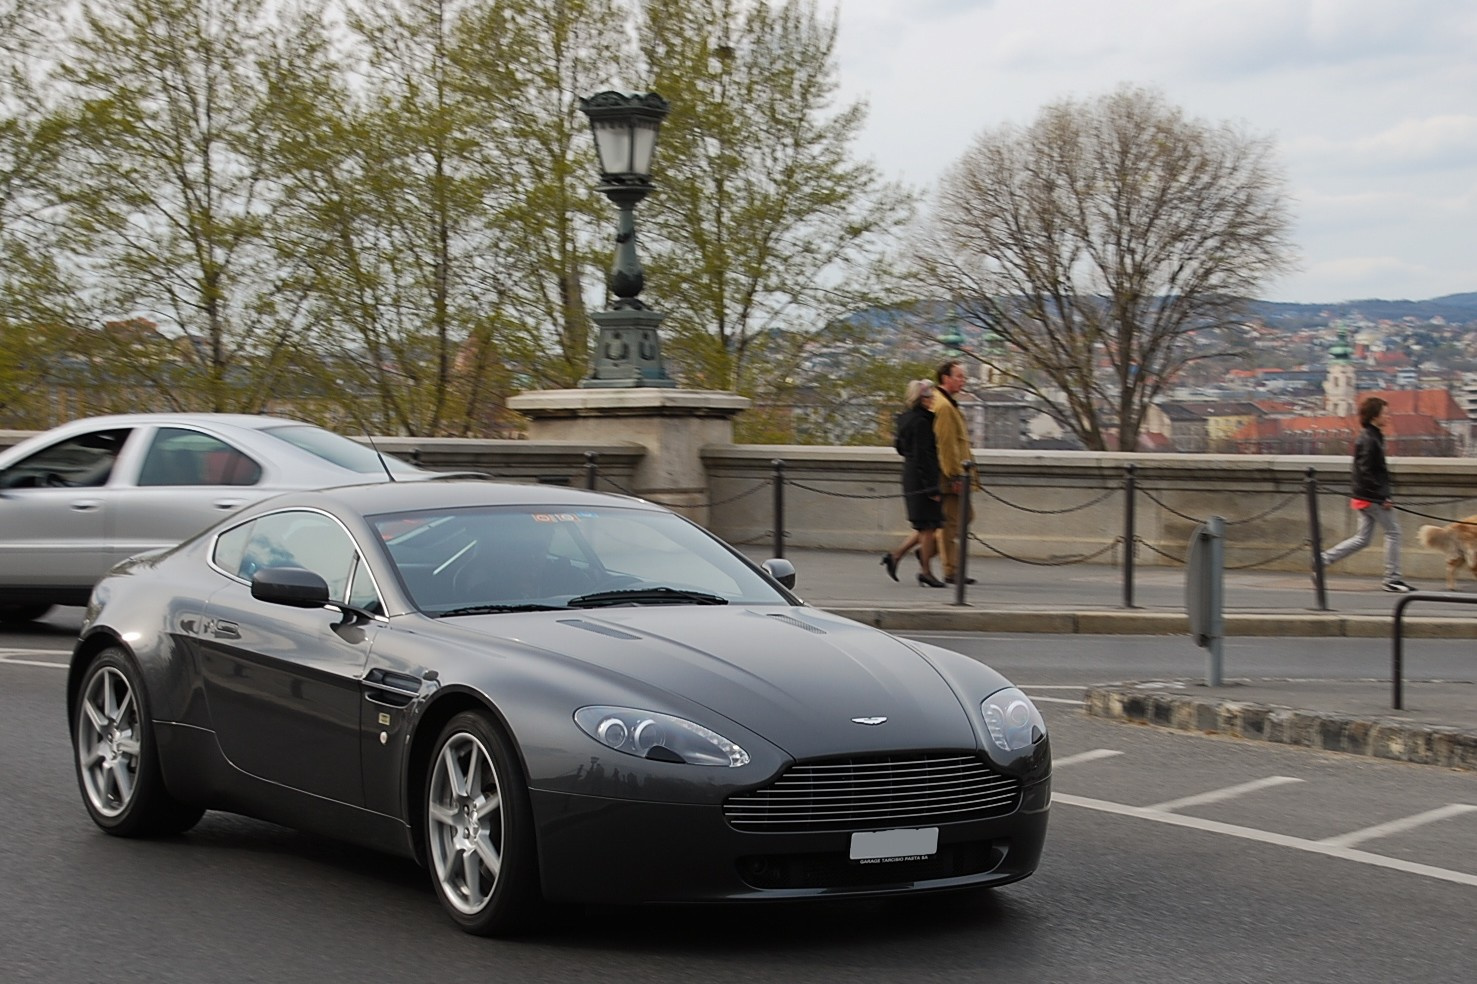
column 1396, row 585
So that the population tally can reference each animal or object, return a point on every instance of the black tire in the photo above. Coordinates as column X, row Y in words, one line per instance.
column 479, row 838
column 116, row 757
column 22, row 612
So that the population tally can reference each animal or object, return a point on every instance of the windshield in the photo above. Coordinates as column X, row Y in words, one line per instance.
column 508, row 558
column 337, row 449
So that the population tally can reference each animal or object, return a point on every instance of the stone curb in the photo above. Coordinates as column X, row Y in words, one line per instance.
column 1386, row 738
column 1312, row 624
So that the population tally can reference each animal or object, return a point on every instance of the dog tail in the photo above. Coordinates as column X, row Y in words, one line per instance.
column 1434, row 537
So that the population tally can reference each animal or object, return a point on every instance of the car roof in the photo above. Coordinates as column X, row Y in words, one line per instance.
column 458, row 493
column 249, row 421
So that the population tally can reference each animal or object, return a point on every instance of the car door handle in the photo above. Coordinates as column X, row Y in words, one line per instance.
column 229, row 503
column 225, row 630
column 86, row 505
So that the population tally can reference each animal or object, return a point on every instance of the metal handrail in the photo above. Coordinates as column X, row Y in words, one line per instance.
column 1397, row 657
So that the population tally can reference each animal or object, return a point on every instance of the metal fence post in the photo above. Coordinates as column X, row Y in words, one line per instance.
column 779, row 506
column 1315, row 537
column 1129, row 535
column 961, row 570
column 591, row 469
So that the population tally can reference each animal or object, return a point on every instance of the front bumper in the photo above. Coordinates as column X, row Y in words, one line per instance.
column 594, row 849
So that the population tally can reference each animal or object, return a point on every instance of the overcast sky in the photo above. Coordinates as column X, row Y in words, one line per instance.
column 1372, row 105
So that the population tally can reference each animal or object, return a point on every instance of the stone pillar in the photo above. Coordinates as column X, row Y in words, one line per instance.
column 673, row 425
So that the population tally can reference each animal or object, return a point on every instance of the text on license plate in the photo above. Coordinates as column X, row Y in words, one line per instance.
column 894, row 845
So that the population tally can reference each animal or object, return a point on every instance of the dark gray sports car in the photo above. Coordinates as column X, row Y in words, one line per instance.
column 544, row 693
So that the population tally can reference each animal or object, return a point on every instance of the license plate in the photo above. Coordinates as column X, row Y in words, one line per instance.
column 873, row 846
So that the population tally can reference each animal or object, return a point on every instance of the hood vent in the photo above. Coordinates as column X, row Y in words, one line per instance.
column 597, row 628
column 792, row 620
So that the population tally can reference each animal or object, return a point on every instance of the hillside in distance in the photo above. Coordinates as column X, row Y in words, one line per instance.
column 1453, row 308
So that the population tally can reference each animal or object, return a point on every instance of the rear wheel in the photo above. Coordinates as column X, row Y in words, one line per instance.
column 479, row 829
column 23, row 613
column 117, row 762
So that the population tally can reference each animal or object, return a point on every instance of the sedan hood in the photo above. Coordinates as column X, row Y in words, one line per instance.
column 799, row 678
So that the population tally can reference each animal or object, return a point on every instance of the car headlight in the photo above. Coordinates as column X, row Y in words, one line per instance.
column 1012, row 719
column 661, row 737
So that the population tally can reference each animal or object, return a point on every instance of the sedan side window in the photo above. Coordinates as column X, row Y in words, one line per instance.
column 84, row 461
column 185, row 457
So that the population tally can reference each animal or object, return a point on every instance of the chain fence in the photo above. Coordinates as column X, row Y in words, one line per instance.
column 1128, row 541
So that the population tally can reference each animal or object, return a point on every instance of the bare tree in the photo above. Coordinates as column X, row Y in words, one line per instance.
column 1097, row 242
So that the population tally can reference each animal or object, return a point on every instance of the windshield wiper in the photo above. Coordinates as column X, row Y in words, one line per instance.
column 646, row 596
column 498, row 609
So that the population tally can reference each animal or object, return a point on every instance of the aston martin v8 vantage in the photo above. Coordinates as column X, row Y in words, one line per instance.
column 541, row 693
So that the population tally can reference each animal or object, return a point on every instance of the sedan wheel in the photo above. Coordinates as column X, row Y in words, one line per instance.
column 479, row 829
column 117, row 765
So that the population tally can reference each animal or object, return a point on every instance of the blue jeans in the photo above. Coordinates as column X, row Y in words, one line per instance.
column 1360, row 539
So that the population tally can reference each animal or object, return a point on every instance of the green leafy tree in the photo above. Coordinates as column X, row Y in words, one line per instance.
column 167, row 202
column 1097, row 242
column 526, row 64
column 34, row 292
column 761, row 222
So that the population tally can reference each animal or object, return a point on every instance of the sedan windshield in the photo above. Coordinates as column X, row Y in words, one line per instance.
column 493, row 559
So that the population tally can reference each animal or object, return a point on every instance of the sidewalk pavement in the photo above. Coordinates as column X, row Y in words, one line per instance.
column 1438, row 724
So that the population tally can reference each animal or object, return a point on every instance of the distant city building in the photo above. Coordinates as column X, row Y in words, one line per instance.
column 1339, row 385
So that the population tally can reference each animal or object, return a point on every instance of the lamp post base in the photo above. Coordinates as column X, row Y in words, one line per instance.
column 628, row 352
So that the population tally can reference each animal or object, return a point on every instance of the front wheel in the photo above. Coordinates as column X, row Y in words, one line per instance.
column 479, row 829
column 117, row 762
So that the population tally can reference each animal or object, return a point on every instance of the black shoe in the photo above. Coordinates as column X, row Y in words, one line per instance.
column 929, row 581
column 890, row 562
column 1398, row 586
column 954, row 580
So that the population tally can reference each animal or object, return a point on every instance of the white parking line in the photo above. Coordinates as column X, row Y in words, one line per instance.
column 1080, row 757
column 1398, row 826
column 31, row 662
column 19, row 657
column 1055, row 700
column 1218, row 795
column 1265, row 837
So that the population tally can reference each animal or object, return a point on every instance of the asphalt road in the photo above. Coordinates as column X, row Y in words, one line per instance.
column 1171, row 857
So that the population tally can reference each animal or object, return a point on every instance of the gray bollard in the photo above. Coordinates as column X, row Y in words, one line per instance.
column 1205, row 593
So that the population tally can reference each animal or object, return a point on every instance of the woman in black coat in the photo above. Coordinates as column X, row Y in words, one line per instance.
column 914, row 441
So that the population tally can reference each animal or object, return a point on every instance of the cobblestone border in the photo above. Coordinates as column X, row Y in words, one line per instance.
column 1384, row 738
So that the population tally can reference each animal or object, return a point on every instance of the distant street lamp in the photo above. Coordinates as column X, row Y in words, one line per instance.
column 626, row 127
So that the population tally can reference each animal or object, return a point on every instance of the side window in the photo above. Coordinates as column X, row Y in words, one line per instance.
column 230, row 548
column 296, row 539
column 84, row 461
column 185, row 457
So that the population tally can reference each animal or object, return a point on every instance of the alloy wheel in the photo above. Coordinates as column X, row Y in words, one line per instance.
column 108, row 749
column 465, row 823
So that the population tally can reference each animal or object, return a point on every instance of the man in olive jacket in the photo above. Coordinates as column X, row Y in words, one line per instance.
column 952, row 436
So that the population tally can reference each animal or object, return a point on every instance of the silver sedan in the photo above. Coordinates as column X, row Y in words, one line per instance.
column 77, row 499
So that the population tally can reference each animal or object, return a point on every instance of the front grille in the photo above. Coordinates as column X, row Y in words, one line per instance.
column 877, row 792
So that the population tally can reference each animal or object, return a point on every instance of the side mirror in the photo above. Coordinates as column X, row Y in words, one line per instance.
column 293, row 586
column 781, row 570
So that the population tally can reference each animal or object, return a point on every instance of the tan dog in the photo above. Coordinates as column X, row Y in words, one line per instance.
column 1459, row 541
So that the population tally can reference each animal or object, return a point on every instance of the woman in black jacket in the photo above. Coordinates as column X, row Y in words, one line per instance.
column 1370, row 495
column 914, row 441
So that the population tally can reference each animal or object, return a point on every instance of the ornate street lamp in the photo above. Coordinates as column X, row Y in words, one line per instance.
column 626, row 127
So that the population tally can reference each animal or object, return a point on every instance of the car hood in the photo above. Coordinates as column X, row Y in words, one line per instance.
column 795, row 676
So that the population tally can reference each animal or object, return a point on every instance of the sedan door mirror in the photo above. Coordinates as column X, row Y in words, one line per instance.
column 292, row 586
column 781, row 570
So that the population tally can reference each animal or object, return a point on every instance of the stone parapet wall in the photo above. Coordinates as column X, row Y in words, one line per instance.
column 1037, row 507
